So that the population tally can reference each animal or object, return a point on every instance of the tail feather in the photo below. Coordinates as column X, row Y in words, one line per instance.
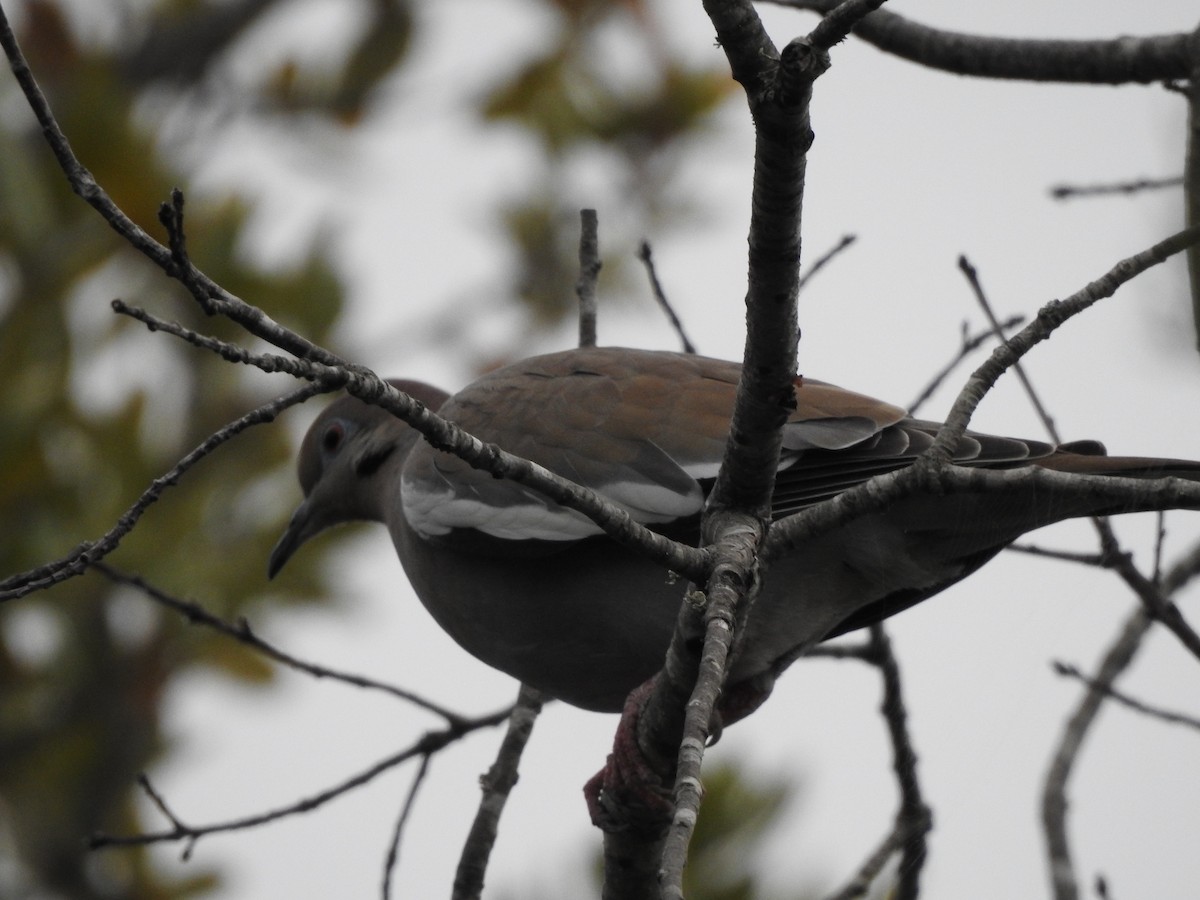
column 1068, row 459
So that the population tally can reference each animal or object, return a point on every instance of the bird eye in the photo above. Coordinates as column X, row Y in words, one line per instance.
column 332, row 438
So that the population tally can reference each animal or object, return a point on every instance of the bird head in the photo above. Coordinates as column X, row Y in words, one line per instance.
column 345, row 459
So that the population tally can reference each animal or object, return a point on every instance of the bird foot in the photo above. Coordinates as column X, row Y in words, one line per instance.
column 629, row 792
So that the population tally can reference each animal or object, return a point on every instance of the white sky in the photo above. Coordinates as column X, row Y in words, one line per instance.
column 921, row 166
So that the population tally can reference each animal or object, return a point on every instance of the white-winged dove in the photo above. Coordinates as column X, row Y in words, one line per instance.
column 538, row 591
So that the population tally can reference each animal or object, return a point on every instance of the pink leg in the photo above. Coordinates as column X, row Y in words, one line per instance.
column 628, row 781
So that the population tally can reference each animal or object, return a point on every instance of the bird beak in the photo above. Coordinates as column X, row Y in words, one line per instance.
column 301, row 527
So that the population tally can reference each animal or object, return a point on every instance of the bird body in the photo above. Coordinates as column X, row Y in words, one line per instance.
column 540, row 592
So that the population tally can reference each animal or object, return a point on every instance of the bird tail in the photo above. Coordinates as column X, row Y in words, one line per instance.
column 1090, row 458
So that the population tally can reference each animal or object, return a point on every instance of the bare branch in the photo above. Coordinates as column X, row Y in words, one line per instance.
column 1138, row 185
column 1120, row 60
column 589, row 272
column 860, row 883
column 497, row 783
column 1049, row 318
column 445, row 435
column 1118, row 657
column 242, row 633
column 1174, row 718
column 1131, row 496
column 726, row 590
column 1191, row 170
column 914, row 819
column 1154, row 601
column 160, row 804
column 972, row 276
column 393, row 854
column 778, row 89
column 1085, row 559
column 660, row 296
column 970, row 343
column 77, row 561
column 843, row 18
column 840, row 651
column 210, row 296
column 823, row 260
column 265, row 362
column 431, row 742
column 1054, row 790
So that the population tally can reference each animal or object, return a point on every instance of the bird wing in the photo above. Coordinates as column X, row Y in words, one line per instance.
column 645, row 429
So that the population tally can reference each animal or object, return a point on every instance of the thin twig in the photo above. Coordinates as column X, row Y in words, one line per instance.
column 1054, row 789
column 860, row 882
column 972, row 276
column 836, row 26
column 823, row 260
column 270, row 363
column 1085, row 559
column 970, row 343
column 860, row 651
column 932, row 471
column 241, row 632
column 1165, row 715
column 1160, row 541
column 686, row 560
column 1049, row 318
column 160, row 804
column 644, row 254
column 1071, row 191
column 393, row 854
column 1155, row 601
column 211, row 297
column 78, row 560
column 429, row 743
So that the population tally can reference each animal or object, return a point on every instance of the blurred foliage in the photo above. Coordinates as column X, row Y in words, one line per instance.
column 734, row 820
column 725, row 858
column 95, row 407
column 570, row 100
column 84, row 668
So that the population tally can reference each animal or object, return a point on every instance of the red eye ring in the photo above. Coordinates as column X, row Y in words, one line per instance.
column 332, row 438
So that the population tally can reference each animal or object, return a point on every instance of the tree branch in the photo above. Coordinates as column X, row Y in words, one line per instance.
column 242, row 633
column 1191, row 171
column 1049, row 318
column 497, row 784
column 1154, row 712
column 431, row 742
column 445, row 435
column 86, row 554
column 1054, row 796
column 410, row 800
column 589, row 273
column 1120, row 654
column 1136, row 186
column 660, row 297
column 970, row 343
column 778, row 91
column 1122, row 60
